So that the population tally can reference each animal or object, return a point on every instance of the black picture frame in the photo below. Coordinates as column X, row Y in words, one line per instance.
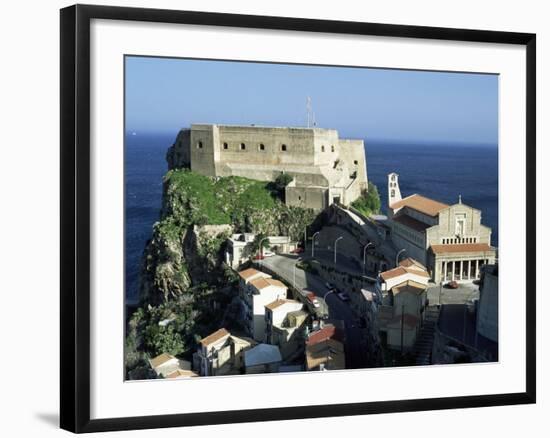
column 75, row 217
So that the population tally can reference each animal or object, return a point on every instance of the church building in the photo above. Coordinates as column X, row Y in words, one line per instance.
column 448, row 239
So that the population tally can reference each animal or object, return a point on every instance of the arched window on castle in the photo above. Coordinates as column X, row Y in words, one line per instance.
column 261, row 147
column 283, row 147
column 332, row 148
column 199, row 145
column 323, row 148
column 243, row 146
column 225, row 146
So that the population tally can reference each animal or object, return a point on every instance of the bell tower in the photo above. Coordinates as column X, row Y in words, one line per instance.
column 394, row 194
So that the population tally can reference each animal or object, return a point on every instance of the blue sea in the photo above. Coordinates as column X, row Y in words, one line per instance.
column 441, row 172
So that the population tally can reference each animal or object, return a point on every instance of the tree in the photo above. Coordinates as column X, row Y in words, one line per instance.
column 369, row 201
column 283, row 180
column 254, row 246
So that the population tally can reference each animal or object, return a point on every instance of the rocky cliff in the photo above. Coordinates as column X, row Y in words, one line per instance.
column 198, row 214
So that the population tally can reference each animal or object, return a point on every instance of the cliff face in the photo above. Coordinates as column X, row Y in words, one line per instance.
column 198, row 214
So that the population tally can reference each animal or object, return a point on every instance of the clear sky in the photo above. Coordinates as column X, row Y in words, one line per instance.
column 164, row 95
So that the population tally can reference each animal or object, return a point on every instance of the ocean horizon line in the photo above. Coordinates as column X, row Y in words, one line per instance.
column 367, row 140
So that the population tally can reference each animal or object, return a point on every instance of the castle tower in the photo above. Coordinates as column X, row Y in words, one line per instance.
column 394, row 194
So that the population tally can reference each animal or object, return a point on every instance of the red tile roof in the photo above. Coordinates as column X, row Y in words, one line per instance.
column 401, row 270
column 214, row 337
column 329, row 331
column 420, row 203
column 461, row 248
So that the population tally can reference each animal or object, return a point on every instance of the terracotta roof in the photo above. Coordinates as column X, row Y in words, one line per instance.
column 329, row 331
column 275, row 304
column 401, row 270
column 248, row 273
column 420, row 203
column 461, row 247
column 178, row 374
column 260, row 283
column 409, row 286
column 410, row 222
column 274, row 282
column 409, row 262
column 160, row 360
column 279, row 303
column 214, row 337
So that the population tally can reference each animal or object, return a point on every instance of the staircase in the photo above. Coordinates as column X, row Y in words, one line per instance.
column 424, row 342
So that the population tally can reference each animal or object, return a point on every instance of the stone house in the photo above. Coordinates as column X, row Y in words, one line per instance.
column 221, row 353
column 325, row 349
column 238, row 247
column 165, row 365
column 285, row 326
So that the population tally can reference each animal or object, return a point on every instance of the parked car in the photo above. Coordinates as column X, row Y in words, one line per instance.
column 343, row 296
column 268, row 253
column 452, row 285
column 312, row 298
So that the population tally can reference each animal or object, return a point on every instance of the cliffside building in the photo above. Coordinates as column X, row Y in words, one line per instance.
column 448, row 239
column 325, row 168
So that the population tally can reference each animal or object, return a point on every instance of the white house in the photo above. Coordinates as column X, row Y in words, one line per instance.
column 256, row 294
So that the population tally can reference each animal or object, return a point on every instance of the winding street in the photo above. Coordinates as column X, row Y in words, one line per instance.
column 284, row 265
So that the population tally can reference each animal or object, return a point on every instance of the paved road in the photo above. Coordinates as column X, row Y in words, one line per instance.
column 284, row 266
column 443, row 295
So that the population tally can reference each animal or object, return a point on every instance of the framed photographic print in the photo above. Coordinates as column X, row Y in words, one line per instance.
column 269, row 218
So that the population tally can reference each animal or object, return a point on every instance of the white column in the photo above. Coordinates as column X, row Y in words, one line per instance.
column 477, row 268
column 460, row 270
column 445, row 270
column 453, row 270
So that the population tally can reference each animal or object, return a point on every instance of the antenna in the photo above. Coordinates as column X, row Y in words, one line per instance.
column 310, row 116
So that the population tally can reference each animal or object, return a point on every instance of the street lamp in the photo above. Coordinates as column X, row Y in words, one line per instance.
column 397, row 256
column 313, row 244
column 335, row 242
column 365, row 254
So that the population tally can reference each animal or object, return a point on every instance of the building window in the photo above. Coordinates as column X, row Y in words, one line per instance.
column 460, row 224
column 355, row 162
column 323, row 148
column 199, row 145
column 393, row 177
column 332, row 148
column 392, row 193
column 225, row 146
column 243, row 146
column 283, row 147
column 261, row 147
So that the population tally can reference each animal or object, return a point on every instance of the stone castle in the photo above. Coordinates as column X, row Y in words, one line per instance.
column 325, row 169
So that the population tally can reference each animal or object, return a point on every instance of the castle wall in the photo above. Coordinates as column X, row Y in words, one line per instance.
column 179, row 155
column 306, row 197
column 204, row 147
column 265, row 146
column 353, row 153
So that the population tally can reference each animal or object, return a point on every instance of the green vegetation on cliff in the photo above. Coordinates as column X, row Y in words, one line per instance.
column 185, row 285
column 369, row 201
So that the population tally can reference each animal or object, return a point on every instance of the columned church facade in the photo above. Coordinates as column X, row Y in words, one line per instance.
column 448, row 239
